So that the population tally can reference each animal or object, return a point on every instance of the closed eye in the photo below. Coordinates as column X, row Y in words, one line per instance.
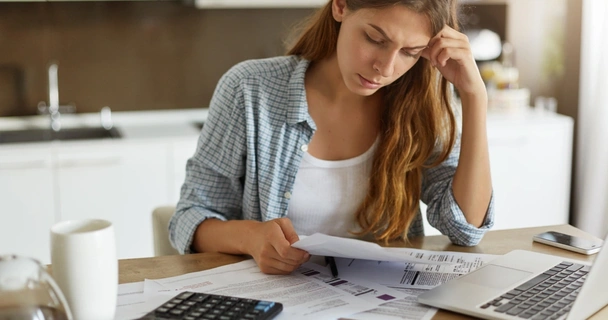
column 370, row 39
column 412, row 55
column 383, row 42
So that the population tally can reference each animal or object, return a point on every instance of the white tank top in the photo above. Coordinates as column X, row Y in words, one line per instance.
column 326, row 194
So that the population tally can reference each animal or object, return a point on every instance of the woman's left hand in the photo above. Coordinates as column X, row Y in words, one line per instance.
column 450, row 52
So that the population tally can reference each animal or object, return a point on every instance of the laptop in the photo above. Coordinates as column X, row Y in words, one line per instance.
column 527, row 285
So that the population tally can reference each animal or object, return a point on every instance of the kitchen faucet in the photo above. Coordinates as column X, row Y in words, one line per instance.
column 53, row 108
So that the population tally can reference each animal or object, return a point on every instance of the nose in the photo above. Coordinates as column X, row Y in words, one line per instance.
column 385, row 63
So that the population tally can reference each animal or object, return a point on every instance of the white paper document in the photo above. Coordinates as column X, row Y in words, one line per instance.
column 324, row 245
column 375, row 293
column 302, row 296
column 397, row 303
column 131, row 302
column 413, row 275
column 406, row 308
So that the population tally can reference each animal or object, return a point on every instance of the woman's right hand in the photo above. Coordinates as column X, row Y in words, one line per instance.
column 270, row 247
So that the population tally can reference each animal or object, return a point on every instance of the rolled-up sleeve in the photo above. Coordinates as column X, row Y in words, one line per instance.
column 443, row 213
column 213, row 186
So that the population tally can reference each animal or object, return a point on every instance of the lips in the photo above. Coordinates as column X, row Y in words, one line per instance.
column 368, row 84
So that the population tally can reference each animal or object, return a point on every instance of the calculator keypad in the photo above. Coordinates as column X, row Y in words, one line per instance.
column 194, row 306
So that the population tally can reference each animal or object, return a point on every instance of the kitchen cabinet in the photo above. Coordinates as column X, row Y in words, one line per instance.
column 530, row 160
column 181, row 151
column 121, row 180
column 121, row 183
column 27, row 196
column 212, row 4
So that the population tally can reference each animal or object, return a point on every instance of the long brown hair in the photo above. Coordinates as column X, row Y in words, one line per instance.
column 418, row 128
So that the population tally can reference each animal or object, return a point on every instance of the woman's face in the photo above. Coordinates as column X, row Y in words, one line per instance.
column 377, row 46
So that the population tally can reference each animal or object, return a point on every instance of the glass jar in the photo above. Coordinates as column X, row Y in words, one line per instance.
column 28, row 292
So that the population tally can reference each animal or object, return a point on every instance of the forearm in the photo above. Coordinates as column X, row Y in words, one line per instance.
column 214, row 235
column 472, row 185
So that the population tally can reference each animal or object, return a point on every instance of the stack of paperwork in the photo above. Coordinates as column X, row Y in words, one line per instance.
column 373, row 283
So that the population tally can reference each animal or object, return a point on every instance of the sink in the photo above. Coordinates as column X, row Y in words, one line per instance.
column 37, row 135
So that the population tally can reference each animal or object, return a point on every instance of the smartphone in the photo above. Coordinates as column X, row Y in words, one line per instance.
column 568, row 242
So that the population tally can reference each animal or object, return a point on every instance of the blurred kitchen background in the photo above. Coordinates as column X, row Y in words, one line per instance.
column 142, row 55
column 148, row 56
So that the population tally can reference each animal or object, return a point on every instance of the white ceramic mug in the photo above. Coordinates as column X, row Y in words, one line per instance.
column 84, row 265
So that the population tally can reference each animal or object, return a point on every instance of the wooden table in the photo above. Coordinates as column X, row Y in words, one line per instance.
column 494, row 242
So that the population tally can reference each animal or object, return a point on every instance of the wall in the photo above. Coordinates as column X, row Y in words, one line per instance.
column 537, row 31
column 129, row 55
column 568, row 88
column 547, row 37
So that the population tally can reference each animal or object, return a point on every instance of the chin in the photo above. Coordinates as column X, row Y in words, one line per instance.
column 367, row 92
column 357, row 89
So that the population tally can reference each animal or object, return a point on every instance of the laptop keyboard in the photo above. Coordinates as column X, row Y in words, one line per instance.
column 547, row 296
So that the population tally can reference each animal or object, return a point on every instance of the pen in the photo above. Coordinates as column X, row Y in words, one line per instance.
column 332, row 265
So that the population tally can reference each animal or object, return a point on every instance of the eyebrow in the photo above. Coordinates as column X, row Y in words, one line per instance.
column 391, row 41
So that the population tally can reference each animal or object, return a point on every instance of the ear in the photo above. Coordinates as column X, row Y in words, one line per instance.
column 338, row 9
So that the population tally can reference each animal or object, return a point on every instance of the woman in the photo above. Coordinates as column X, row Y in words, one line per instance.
column 343, row 136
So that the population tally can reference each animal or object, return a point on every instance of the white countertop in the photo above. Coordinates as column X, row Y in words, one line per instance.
column 175, row 123
column 120, row 118
column 131, row 124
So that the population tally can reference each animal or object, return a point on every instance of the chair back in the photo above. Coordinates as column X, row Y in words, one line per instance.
column 160, row 230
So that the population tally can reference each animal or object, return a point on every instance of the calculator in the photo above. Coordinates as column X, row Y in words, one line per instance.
column 192, row 305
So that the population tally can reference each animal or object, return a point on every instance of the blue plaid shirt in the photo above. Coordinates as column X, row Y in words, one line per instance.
column 250, row 149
